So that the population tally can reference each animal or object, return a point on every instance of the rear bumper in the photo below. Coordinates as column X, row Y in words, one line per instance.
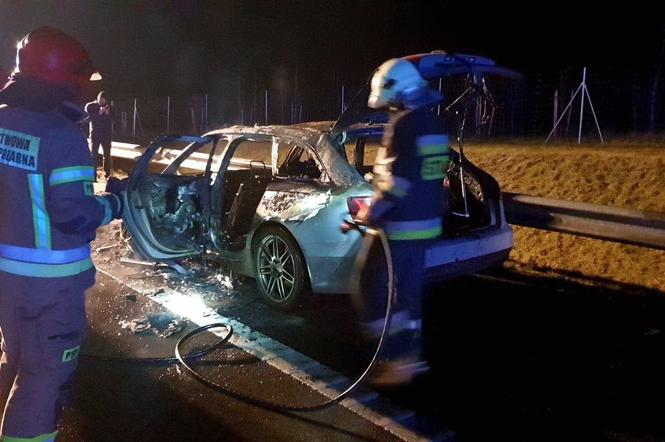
column 445, row 259
column 444, row 272
column 455, row 257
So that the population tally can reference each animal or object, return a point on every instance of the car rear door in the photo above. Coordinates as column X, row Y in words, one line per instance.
column 167, row 208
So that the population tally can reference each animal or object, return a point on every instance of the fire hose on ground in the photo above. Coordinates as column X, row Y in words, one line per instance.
column 184, row 359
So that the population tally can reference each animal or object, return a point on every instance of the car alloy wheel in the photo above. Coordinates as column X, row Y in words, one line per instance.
column 279, row 268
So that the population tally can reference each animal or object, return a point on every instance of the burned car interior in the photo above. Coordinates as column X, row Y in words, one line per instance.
column 251, row 172
column 210, row 191
column 175, row 199
column 470, row 210
column 300, row 163
column 175, row 209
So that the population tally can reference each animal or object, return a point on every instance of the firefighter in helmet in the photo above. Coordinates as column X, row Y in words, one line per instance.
column 48, row 216
column 408, row 204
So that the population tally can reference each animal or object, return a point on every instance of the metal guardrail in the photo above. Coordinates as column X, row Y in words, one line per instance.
column 128, row 154
column 627, row 226
column 126, row 151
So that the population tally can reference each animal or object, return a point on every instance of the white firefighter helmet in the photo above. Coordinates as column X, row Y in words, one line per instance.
column 394, row 83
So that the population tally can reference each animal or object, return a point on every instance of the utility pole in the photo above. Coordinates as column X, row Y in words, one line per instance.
column 556, row 107
column 266, row 107
column 134, row 119
column 585, row 94
column 206, row 111
column 579, row 132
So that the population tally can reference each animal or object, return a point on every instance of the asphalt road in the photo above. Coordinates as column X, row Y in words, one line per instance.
column 546, row 360
column 514, row 357
column 120, row 398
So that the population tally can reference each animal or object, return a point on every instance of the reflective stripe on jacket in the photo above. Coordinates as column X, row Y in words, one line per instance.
column 48, row 211
column 408, row 176
column 44, row 263
column 414, row 230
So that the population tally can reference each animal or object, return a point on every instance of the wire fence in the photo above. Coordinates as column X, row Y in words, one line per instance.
column 625, row 102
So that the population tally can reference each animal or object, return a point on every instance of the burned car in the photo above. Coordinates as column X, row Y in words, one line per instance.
column 270, row 201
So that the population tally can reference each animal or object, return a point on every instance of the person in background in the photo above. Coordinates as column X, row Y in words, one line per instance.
column 101, row 131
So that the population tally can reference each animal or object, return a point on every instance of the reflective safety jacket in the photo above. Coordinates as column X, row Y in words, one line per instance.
column 408, row 201
column 48, row 213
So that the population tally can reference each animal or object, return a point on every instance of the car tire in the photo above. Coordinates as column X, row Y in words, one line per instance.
column 279, row 266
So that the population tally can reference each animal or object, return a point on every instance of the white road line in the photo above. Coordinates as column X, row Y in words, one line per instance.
column 285, row 359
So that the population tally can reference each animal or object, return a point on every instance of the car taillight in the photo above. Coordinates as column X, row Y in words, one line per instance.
column 446, row 183
column 357, row 203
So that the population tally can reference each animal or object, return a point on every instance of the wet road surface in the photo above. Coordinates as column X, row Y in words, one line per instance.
column 513, row 356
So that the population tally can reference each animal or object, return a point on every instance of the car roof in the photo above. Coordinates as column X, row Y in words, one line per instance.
column 316, row 135
column 311, row 135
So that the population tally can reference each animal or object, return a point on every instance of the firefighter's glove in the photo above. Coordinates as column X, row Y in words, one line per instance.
column 116, row 186
column 115, row 202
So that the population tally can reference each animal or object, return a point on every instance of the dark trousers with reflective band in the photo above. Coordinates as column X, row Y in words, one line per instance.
column 42, row 323
column 408, row 258
column 105, row 143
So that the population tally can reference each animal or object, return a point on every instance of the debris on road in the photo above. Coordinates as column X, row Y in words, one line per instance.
column 136, row 325
column 173, row 327
column 142, row 263
column 162, row 324
column 105, row 248
column 198, row 275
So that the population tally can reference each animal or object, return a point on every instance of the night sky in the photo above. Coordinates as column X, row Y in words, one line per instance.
column 164, row 47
